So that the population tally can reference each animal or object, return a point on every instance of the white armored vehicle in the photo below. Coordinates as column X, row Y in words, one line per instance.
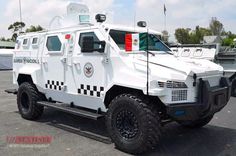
column 93, row 71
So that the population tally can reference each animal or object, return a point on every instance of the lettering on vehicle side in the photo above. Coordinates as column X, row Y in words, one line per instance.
column 26, row 60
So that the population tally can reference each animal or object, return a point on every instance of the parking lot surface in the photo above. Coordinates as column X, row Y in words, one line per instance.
column 216, row 139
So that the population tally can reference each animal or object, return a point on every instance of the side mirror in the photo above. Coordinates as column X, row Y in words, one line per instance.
column 87, row 44
column 101, row 45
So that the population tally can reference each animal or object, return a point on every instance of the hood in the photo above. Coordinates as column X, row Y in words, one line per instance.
column 185, row 66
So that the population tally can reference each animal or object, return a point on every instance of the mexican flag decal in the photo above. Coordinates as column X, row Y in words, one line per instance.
column 136, row 42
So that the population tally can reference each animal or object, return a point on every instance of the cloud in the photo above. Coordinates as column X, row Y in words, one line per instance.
column 180, row 13
column 40, row 12
column 187, row 13
column 36, row 11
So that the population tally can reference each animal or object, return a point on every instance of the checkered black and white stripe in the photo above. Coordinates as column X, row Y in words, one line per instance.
column 55, row 85
column 90, row 90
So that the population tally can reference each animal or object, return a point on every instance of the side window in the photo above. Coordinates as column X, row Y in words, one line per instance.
column 53, row 43
column 18, row 44
column 82, row 35
column 25, row 41
column 35, row 41
column 119, row 37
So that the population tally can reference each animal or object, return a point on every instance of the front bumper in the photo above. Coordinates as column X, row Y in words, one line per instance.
column 210, row 100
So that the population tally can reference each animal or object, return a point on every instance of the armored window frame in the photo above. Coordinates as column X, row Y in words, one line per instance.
column 35, row 42
column 96, row 39
column 25, row 43
column 54, row 47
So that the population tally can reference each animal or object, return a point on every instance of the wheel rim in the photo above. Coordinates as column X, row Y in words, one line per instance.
column 25, row 102
column 127, row 124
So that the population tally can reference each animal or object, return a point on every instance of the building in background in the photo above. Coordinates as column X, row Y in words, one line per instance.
column 6, row 55
column 213, row 39
column 7, row 45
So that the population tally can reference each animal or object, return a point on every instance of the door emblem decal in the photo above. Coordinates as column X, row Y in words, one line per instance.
column 88, row 70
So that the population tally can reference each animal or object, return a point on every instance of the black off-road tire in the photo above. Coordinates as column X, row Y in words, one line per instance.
column 233, row 89
column 133, row 124
column 198, row 123
column 27, row 98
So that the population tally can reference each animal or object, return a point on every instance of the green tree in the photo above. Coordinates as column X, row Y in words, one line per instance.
column 4, row 39
column 182, row 35
column 34, row 28
column 185, row 36
column 229, row 41
column 216, row 27
column 16, row 29
column 196, row 37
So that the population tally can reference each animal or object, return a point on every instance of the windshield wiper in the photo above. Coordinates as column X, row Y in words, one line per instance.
column 169, row 52
column 151, row 53
column 164, row 52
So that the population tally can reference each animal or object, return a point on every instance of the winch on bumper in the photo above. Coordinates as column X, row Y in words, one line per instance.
column 210, row 100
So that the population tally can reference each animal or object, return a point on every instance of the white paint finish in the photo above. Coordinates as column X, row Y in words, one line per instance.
column 113, row 67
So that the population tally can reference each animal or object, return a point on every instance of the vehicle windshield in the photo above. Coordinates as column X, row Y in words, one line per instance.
column 154, row 43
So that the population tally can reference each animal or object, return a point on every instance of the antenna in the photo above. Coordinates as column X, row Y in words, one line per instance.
column 134, row 19
column 20, row 11
column 147, row 61
column 143, row 24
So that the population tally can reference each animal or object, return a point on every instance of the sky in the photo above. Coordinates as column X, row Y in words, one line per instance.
column 180, row 13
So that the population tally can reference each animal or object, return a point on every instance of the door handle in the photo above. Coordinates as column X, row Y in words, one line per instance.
column 77, row 65
column 44, row 61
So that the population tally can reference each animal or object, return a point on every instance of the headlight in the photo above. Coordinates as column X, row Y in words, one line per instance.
column 172, row 84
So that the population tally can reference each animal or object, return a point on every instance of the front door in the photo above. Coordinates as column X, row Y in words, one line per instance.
column 85, row 76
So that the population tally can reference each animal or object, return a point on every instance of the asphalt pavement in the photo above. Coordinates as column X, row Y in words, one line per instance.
column 216, row 139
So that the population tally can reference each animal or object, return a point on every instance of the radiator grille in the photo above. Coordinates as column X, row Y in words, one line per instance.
column 161, row 84
column 179, row 95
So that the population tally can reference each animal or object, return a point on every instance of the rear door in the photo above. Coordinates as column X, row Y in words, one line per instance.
column 53, row 64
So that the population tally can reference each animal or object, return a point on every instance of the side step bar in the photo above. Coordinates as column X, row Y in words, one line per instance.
column 91, row 135
column 70, row 110
column 11, row 91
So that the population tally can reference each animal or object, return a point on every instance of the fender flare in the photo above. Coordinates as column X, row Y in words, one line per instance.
column 33, row 72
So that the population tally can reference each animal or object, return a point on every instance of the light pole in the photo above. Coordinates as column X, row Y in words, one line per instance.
column 165, row 17
column 20, row 13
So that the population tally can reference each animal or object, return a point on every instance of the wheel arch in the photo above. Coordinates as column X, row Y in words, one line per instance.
column 28, row 74
column 118, row 90
column 24, row 78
